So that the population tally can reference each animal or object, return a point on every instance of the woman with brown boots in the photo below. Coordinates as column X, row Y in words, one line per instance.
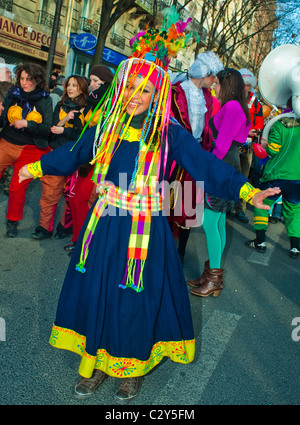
column 230, row 128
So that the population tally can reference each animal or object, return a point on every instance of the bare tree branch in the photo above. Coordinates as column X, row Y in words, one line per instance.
column 110, row 13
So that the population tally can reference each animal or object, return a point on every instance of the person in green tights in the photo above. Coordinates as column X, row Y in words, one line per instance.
column 230, row 128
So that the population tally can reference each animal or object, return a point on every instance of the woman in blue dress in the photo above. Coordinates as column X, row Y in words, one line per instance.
column 124, row 304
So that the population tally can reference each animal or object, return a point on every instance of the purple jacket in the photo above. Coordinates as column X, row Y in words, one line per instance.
column 231, row 124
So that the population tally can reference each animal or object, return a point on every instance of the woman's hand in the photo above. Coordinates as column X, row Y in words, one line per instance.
column 67, row 118
column 19, row 124
column 259, row 197
column 1, row 108
column 24, row 174
column 264, row 142
column 71, row 115
column 57, row 130
column 253, row 133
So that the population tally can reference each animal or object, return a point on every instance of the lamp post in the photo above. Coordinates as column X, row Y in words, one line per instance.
column 54, row 33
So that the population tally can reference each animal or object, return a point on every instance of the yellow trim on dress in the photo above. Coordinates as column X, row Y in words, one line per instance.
column 120, row 367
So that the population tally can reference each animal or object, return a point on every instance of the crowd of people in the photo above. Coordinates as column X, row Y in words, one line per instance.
column 124, row 303
column 32, row 123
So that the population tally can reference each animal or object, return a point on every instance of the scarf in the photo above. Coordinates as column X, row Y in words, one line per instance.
column 26, row 99
column 68, row 105
column 95, row 96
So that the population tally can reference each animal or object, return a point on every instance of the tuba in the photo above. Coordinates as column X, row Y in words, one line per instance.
column 279, row 79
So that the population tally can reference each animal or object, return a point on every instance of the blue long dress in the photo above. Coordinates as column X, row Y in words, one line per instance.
column 120, row 331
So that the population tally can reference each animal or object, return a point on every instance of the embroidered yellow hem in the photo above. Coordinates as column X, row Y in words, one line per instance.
column 120, row 367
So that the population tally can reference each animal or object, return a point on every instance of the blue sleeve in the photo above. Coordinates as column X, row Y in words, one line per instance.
column 65, row 160
column 220, row 179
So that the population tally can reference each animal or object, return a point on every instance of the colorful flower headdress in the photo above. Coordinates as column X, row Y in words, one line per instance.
column 161, row 45
column 151, row 47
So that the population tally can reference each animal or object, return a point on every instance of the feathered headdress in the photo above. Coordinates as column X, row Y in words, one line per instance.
column 152, row 51
column 161, row 45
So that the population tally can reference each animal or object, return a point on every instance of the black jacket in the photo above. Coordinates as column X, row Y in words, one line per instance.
column 71, row 133
column 38, row 133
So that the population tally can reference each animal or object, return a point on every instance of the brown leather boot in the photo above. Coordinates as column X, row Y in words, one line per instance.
column 198, row 282
column 213, row 284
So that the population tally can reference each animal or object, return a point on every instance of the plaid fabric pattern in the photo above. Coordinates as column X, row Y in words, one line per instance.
column 131, row 201
column 146, row 178
column 139, row 236
column 141, row 207
column 140, row 202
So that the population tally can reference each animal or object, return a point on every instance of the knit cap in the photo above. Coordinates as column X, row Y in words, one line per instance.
column 103, row 72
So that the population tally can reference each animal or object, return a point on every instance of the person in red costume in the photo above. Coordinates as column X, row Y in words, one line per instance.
column 246, row 152
column 192, row 106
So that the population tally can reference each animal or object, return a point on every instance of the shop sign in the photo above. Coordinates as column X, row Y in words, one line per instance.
column 85, row 41
column 24, row 39
column 109, row 55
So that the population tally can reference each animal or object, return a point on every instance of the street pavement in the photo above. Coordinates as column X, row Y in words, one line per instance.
column 248, row 338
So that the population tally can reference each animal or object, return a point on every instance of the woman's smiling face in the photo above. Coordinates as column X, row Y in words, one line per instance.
column 139, row 101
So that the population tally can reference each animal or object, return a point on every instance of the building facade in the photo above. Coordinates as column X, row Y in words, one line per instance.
column 26, row 29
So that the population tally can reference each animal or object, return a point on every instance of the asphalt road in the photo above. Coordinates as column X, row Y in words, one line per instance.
column 247, row 338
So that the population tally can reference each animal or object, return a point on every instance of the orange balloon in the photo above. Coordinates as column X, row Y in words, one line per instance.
column 266, row 111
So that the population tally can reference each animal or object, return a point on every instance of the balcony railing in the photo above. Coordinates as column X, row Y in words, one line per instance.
column 46, row 19
column 145, row 4
column 178, row 64
column 117, row 40
column 6, row 5
column 164, row 3
column 88, row 25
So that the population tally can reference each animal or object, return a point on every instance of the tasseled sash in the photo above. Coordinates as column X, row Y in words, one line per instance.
column 140, row 207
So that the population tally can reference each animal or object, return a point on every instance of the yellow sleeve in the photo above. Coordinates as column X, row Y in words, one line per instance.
column 35, row 169
column 247, row 192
